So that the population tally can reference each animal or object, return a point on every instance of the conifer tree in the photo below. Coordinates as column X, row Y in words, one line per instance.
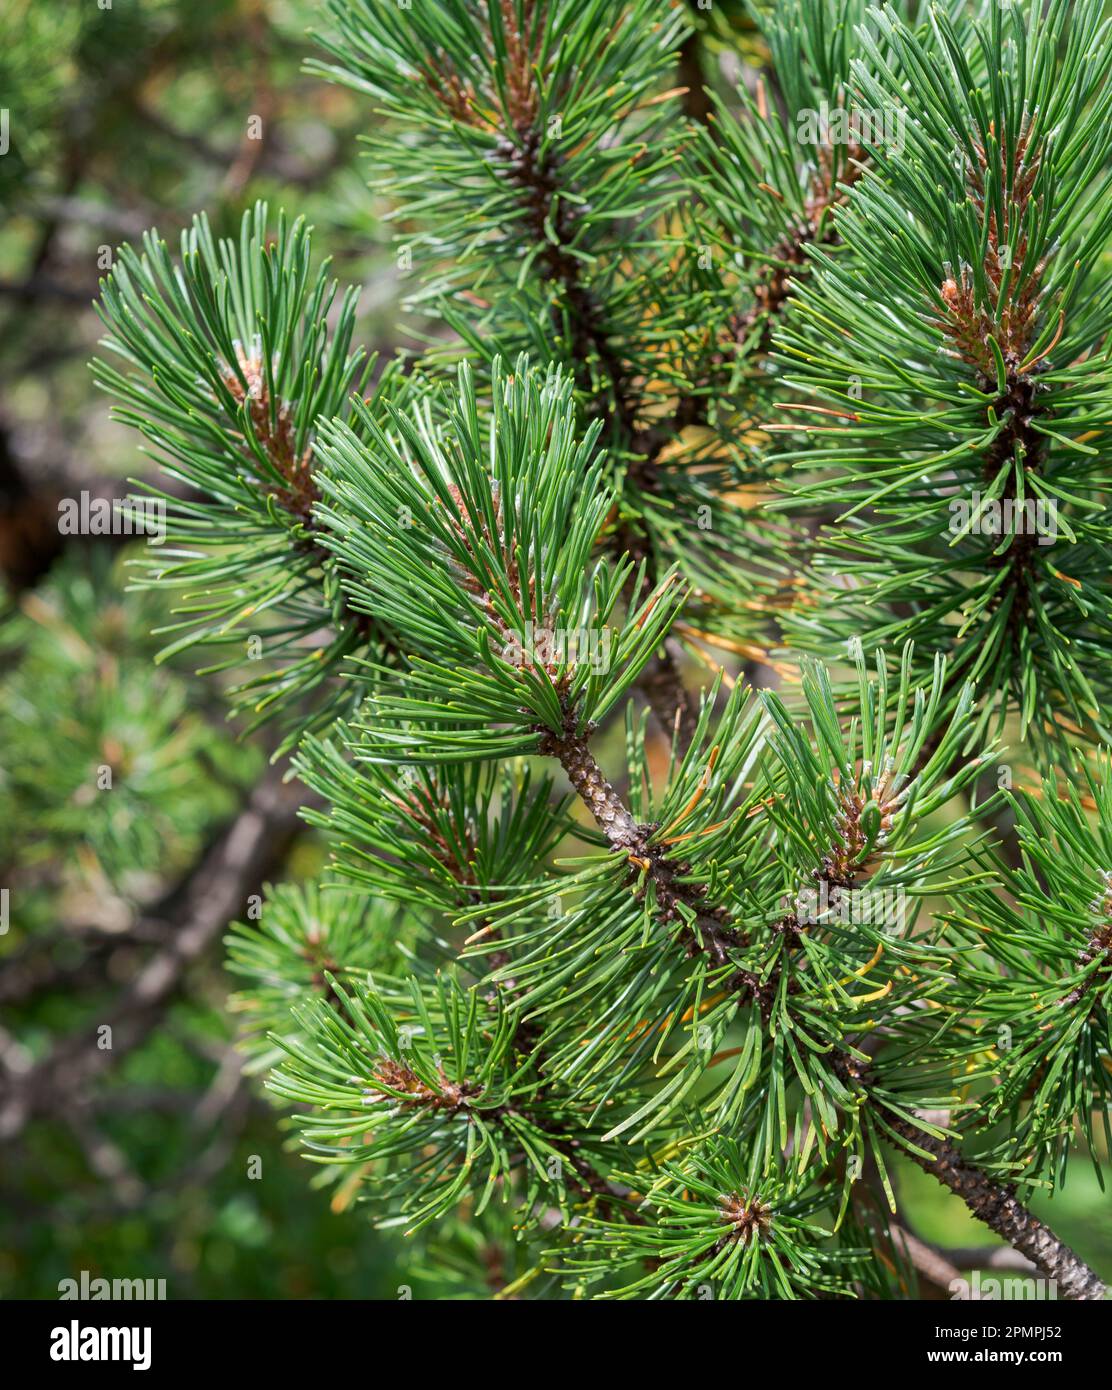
column 618, row 1024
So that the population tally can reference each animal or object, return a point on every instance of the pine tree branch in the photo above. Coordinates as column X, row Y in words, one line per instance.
column 458, row 860
column 662, row 686
column 586, row 777
column 928, row 1262
column 783, row 264
column 989, row 1201
column 536, row 177
column 625, row 834
column 997, row 1206
column 1012, row 328
column 551, row 226
column 300, row 493
column 541, row 201
column 789, row 256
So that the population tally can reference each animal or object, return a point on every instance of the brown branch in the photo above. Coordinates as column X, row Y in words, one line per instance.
column 551, row 224
column 214, row 895
column 586, row 777
column 929, row 1263
column 969, row 328
column 709, row 927
column 1097, row 948
column 696, row 103
column 788, row 258
column 668, row 698
column 997, row 1206
column 990, row 1257
column 989, row 1201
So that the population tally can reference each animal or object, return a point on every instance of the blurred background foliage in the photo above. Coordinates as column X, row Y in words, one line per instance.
column 120, row 781
column 121, row 116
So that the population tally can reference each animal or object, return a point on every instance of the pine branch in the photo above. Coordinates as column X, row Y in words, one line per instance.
column 995, row 1204
column 678, row 1038
column 993, row 303
column 501, row 103
column 232, row 359
column 550, row 222
column 989, row 1201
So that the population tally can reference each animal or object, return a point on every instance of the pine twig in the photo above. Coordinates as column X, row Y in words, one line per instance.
column 998, row 1207
column 988, row 1200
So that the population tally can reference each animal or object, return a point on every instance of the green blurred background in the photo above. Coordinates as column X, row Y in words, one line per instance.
column 123, row 116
